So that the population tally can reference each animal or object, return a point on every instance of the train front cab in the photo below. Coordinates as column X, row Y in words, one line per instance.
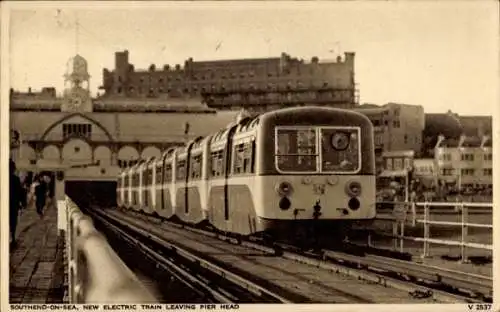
column 317, row 169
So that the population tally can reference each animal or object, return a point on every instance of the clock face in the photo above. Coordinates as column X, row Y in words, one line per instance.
column 77, row 97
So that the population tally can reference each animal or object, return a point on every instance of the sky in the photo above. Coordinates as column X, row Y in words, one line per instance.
column 441, row 55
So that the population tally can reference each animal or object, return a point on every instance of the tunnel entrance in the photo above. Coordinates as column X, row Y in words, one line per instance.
column 91, row 193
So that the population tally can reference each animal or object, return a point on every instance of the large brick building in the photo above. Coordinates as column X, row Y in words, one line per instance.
column 262, row 83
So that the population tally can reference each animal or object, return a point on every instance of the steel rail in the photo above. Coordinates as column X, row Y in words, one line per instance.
column 237, row 280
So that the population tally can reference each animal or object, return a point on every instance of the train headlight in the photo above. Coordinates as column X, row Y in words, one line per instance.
column 340, row 141
column 284, row 188
column 353, row 188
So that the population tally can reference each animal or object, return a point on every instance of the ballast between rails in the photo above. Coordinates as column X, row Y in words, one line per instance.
column 263, row 294
column 371, row 268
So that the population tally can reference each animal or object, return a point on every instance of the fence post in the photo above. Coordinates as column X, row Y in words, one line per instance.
column 401, row 238
column 394, row 235
column 414, row 214
column 465, row 219
column 426, row 230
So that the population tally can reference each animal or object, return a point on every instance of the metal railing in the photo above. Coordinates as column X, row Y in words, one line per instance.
column 399, row 219
column 95, row 272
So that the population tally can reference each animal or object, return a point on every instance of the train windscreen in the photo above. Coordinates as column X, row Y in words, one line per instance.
column 296, row 149
column 340, row 150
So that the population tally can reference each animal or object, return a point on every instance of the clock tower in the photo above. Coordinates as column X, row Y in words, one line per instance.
column 76, row 93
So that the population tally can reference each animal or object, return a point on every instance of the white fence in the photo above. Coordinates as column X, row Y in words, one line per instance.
column 401, row 211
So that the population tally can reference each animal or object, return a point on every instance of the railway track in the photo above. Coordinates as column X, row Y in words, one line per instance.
column 207, row 279
column 417, row 284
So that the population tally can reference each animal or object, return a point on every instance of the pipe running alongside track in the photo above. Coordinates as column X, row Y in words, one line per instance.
column 96, row 273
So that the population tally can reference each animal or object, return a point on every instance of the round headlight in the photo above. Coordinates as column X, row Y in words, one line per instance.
column 284, row 188
column 353, row 188
column 340, row 141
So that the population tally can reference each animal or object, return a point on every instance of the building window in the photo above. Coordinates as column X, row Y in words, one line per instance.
column 447, row 172
column 406, row 139
column 396, row 124
column 398, row 164
column 488, row 172
column 119, row 90
column 388, row 164
column 467, row 172
column 468, row 157
column 445, row 157
column 488, row 157
column 77, row 130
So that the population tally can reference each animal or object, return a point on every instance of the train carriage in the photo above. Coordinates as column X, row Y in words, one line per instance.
column 120, row 189
column 232, row 179
column 148, row 184
column 167, row 189
column 135, row 186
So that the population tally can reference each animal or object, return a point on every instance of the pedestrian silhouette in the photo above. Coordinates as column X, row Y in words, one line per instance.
column 15, row 201
column 41, row 195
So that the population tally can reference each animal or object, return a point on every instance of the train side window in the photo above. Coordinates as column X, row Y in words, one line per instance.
column 195, row 167
column 168, row 173
column 217, row 163
column 239, row 158
column 159, row 174
column 181, row 170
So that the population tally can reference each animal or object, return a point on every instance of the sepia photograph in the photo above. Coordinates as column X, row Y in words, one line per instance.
column 216, row 155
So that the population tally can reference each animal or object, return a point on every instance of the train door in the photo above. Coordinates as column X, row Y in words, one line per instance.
column 228, row 157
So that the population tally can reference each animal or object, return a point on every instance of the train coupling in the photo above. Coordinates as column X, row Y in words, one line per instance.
column 317, row 210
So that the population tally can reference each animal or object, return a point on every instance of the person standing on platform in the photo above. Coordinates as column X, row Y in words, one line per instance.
column 41, row 195
column 15, row 201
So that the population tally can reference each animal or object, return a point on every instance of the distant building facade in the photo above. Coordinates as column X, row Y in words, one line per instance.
column 95, row 138
column 424, row 170
column 262, row 84
column 397, row 127
column 464, row 162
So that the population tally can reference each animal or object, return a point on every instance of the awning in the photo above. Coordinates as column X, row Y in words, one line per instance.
column 393, row 173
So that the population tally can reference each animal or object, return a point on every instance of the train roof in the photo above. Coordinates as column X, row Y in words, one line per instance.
column 322, row 113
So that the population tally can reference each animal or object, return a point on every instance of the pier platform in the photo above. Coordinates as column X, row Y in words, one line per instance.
column 36, row 264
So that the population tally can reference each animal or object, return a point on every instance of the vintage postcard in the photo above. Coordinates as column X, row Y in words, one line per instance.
column 319, row 156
